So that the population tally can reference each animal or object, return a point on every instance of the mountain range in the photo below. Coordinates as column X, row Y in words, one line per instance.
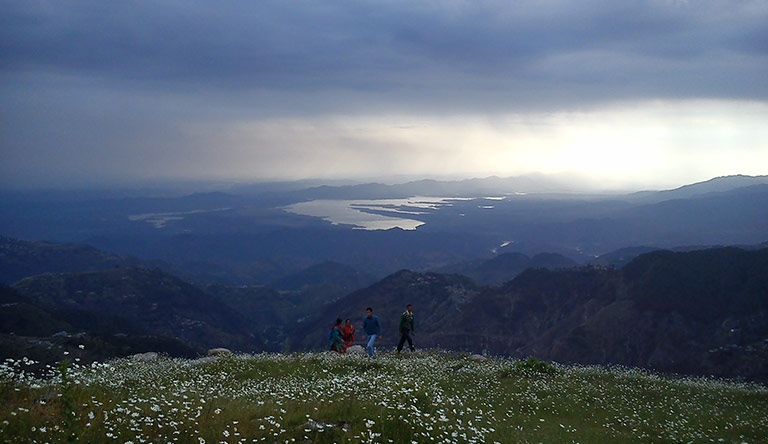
column 698, row 312
column 506, row 266
column 692, row 312
column 245, row 235
column 640, row 280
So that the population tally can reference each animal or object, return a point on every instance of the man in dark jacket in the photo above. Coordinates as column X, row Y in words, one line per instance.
column 372, row 329
column 406, row 328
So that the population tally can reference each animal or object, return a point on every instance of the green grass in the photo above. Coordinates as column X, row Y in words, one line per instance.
column 327, row 398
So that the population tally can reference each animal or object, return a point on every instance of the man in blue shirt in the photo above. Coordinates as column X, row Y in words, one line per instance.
column 372, row 329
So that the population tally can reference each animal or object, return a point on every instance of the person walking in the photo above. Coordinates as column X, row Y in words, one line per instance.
column 335, row 337
column 406, row 328
column 348, row 333
column 372, row 329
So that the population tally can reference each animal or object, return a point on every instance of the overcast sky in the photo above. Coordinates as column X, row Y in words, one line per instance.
column 630, row 93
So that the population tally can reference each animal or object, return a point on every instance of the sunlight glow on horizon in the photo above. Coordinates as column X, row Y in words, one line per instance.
column 626, row 145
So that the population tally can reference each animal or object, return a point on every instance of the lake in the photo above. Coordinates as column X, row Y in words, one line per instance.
column 354, row 212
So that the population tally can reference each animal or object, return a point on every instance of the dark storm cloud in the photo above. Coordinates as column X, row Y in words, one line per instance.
column 590, row 49
column 93, row 91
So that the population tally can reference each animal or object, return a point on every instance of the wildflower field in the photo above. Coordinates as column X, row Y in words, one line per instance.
column 325, row 398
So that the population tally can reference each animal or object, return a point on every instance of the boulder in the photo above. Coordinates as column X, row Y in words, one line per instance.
column 201, row 361
column 315, row 426
column 477, row 358
column 356, row 350
column 219, row 352
column 148, row 356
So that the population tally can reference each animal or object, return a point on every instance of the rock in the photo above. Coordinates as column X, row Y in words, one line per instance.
column 202, row 361
column 477, row 358
column 314, row 426
column 148, row 356
column 219, row 351
column 356, row 350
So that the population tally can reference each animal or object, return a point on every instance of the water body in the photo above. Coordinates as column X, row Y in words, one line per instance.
column 352, row 212
column 160, row 220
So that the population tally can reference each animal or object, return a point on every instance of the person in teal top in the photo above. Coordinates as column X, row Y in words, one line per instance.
column 406, row 328
column 336, row 338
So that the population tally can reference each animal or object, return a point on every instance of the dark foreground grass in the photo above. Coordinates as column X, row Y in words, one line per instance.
column 326, row 398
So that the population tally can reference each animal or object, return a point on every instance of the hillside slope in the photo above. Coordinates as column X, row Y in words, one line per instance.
column 328, row 398
column 699, row 312
column 22, row 258
column 150, row 298
column 29, row 329
column 437, row 297
column 506, row 266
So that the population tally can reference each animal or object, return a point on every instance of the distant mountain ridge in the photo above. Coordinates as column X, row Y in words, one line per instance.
column 622, row 256
column 506, row 266
column 491, row 186
column 714, row 185
column 325, row 273
column 500, row 186
column 248, row 238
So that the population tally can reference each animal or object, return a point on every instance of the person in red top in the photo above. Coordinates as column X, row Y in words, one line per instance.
column 348, row 333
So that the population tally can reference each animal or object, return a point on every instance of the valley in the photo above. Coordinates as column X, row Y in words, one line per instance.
column 514, row 275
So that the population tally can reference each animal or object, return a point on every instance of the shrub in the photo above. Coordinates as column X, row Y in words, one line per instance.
column 529, row 367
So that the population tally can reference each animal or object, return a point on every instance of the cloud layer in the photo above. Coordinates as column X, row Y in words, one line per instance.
column 141, row 89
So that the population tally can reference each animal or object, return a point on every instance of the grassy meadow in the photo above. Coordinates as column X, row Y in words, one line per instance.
column 326, row 398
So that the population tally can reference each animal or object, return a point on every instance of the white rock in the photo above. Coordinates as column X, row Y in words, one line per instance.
column 202, row 361
column 148, row 356
column 356, row 349
column 219, row 351
column 478, row 358
column 321, row 426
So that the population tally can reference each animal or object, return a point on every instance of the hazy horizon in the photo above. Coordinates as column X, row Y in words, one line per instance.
column 178, row 187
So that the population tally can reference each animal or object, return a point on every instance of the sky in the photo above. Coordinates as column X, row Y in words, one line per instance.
column 626, row 93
